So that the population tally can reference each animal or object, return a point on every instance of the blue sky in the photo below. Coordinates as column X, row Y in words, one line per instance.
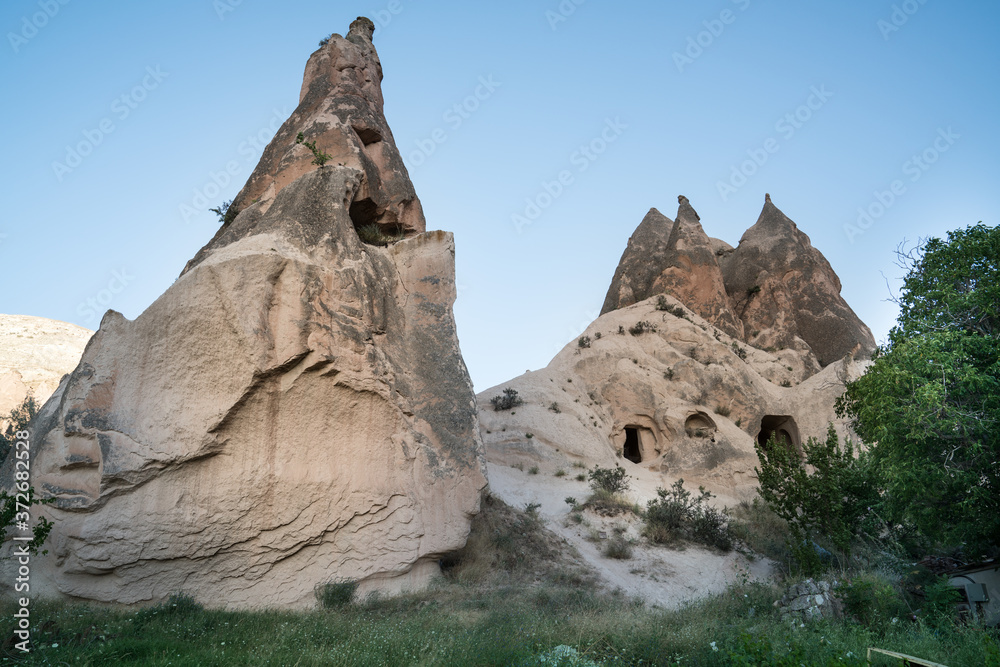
column 122, row 119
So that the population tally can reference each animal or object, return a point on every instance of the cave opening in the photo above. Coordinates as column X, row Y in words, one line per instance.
column 782, row 428
column 632, row 450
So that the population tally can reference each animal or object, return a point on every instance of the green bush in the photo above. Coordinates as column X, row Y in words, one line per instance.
column 13, row 513
column 928, row 405
column 336, row 593
column 611, row 480
column 677, row 514
column 507, row 401
column 319, row 157
column 642, row 327
column 676, row 311
column 833, row 501
column 226, row 212
column 373, row 234
column 584, row 341
column 870, row 600
column 940, row 598
column 20, row 420
column 618, row 548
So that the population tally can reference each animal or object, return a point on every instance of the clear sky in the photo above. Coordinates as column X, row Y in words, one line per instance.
column 121, row 119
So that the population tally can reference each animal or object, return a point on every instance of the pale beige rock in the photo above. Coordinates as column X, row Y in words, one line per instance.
column 35, row 353
column 293, row 410
column 673, row 387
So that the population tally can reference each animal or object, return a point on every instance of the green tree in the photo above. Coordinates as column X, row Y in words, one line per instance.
column 929, row 406
column 14, row 509
column 831, row 502
column 18, row 420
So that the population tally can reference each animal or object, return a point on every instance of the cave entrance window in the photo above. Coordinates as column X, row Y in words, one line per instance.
column 364, row 213
column 782, row 428
column 632, row 452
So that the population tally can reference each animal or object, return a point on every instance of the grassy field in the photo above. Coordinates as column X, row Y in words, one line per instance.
column 514, row 597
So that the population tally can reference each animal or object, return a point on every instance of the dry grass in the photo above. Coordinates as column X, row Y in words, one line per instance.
column 606, row 503
column 507, row 546
column 760, row 529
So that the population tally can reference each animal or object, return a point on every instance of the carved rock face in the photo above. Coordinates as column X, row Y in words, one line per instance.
column 293, row 410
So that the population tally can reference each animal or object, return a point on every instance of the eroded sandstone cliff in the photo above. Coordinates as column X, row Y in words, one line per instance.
column 294, row 409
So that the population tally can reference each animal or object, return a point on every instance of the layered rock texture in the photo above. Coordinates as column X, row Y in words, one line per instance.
column 701, row 350
column 34, row 355
column 294, row 410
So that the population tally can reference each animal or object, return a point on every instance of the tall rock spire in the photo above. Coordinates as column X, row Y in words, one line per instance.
column 640, row 263
column 691, row 272
column 341, row 110
column 293, row 410
column 785, row 289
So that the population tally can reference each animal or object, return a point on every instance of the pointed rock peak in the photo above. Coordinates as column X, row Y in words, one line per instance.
column 691, row 272
column 640, row 263
column 362, row 27
column 773, row 221
column 339, row 122
column 654, row 217
column 685, row 210
column 799, row 291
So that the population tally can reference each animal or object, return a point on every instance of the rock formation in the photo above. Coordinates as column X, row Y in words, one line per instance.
column 34, row 355
column 293, row 410
column 640, row 264
column 692, row 273
column 789, row 293
column 690, row 364
column 675, row 258
column 775, row 290
column 341, row 111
